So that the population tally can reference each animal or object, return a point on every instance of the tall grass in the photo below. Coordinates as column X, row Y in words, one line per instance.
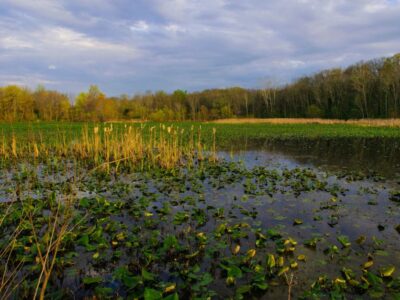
column 143, row 146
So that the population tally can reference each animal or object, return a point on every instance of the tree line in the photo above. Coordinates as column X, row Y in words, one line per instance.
column 365, row 90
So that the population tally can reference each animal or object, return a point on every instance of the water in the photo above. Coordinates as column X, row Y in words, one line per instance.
column 379, row 156
column 334, row 188
column 367, row 168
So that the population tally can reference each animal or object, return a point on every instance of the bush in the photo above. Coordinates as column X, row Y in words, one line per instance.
column 314, row 111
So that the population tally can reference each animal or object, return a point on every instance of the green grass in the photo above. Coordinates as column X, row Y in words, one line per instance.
column 226, row 133
column 229, row 132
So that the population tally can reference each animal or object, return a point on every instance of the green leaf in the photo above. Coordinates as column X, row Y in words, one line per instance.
column 312, row 243
column 344, row 240
column 206, row 279
column 151, row 294
column 273, row 234
column 180, row 218
column 92, row 280
column 376, row 293
column 147, row 276
column 373, row 279
column 382, row 253
column 174, row 296
column 132, row 281
column 84, row 202
column 243, row 289
column 84, row 241
column 235, row 272
column 170, row 242
column 271, row 261
column 262, row 285
column 297, row 222
column 283, row 270
column 387, row 271
column 103, row 292
column 361, row 239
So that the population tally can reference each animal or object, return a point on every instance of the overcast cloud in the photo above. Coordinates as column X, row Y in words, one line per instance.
column 128, row 46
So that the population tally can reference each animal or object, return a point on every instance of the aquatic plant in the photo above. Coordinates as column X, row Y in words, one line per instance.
column 148, row 212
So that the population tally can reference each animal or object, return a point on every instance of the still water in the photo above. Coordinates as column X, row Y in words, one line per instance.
column 368, row 156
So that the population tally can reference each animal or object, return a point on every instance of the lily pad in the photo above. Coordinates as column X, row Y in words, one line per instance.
column 387, row 271
column 92, row 280
column 297, row 222
column 152, row 294
column 344, row 240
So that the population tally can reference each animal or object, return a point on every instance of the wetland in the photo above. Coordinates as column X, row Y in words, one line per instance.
column 172, row 211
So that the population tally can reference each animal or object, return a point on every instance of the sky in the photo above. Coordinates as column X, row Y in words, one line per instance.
column 133, row 46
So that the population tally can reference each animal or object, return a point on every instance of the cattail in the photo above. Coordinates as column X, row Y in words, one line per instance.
column 35, row 150
column 14, row 146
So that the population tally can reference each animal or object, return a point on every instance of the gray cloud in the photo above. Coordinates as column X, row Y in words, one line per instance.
column 128, row 47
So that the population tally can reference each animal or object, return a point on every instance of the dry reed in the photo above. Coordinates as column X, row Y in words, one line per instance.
column 164, row 146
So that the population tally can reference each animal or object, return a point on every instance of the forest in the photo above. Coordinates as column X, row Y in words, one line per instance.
column 368, row 89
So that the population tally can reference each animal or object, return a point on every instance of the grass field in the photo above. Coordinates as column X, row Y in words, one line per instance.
column 225, row 132
column 361, row 122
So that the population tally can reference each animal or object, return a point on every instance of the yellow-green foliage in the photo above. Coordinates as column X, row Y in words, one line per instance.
column 158, row 145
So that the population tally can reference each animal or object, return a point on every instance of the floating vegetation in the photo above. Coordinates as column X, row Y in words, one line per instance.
column 153, row 213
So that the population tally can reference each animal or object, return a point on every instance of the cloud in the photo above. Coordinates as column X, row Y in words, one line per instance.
column 140, row 26
column 174, row 28
column 12, row 42
column 22, row 80
column 64, row 45
column 128, row 47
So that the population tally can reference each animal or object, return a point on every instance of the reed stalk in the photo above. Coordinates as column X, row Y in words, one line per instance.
column 157, row 146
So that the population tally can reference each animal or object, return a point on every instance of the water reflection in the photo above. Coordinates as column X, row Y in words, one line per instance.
column 381, row 156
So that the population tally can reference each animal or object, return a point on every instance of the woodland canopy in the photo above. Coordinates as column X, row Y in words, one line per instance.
column 365, row 90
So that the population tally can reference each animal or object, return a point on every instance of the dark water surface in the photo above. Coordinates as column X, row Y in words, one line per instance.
column 367, row 169
column 380, row 156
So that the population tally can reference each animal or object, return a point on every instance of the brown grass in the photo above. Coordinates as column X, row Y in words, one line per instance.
column 361, row 122
column 159, row 145
column 126, row 121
